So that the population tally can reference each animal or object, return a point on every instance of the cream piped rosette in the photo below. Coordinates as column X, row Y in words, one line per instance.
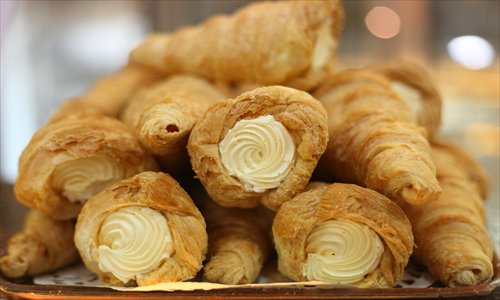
column 342, row 234
column 75, row 156
column 142, row 230
column 260, row 147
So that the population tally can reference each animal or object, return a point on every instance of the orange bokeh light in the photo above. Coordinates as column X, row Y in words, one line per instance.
column 383, row 22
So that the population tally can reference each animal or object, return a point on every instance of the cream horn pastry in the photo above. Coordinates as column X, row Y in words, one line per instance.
column 450, row 235
column 142, row 230
column 239, row 242
column 74, row 157
column 110, row 94
column 342, row 234
column 43, row 245
column 162, row 116
column 260, row 147
column 414, row 85
column 374, row 141
column 281, row 42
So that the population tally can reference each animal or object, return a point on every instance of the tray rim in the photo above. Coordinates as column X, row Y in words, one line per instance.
column 305, row 291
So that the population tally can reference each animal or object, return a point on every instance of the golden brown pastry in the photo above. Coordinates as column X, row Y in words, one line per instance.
column 415, row 86
column 42, row 246
column 239, row 243
column 342, row 234
column 281, row 42
column 450, row 235
column 467, row 164
column 72, row 158
column 162, row 116
column 143, row 230
column 259, row 147
column 110, row 93
column 373, row 139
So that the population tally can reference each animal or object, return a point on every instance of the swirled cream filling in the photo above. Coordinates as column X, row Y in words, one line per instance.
column 342, row 252
column 259, row 152
column 82, row 178
column 411, row 96
column 133, row 241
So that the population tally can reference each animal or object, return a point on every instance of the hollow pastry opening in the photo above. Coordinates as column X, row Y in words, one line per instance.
column 81, row 178
column 341, row 251
column 132, row 241
column 408, row 94
column 259, row 152
column 324, row 46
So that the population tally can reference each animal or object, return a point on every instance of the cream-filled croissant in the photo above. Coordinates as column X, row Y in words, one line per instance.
column 450, row 236
column 111, row 93
column 342, row 234
column 143, row 230
column 42, row 246
column 72, row 158
column 259, row 147
column 162, row 116
column 280, row 42
column 239, row 242
column 415, row 86
column 373, row 139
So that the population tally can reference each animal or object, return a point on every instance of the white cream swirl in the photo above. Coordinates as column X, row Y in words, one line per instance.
column 82, row 178
column 342, row 252
column 133, row 241
column 259, row 152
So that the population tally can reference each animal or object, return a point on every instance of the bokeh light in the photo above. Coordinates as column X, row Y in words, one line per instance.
column 383, row 22
column 471, row 51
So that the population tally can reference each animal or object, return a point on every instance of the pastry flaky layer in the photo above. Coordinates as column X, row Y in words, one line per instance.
column 343, row 234
column 260, row 122
column 239, row 242
column 162, row 116
column 295, row 49
column 110, row 94
column 450, row 234
column 414, row 85
column 72, row 158
column 42, row 246
column 374, row 141
column 144, row 230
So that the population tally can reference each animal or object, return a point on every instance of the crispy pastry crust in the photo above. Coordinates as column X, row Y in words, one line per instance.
column 276, row 40
column 450, row 235
column 373, row 139
column 419, row 79
column 43, row 245
column 162, row 116
column 157, row 191
column 72, row 136
column 298, row 217
column 302, row 116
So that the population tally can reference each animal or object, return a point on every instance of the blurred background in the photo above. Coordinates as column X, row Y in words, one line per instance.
column 53, row 50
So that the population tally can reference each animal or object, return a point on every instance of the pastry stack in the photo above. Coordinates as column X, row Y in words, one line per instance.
column 253, row 104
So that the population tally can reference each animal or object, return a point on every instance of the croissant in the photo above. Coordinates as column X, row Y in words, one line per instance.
column 450, row 234
column 144, row 230
column 162, row 116
column 281, row 42
column 414, row 85
column 373, row 139
column 110, row 94
column 42, row 246
column 342, row 234
column 72, row 158
column 259, row 147
column 239, row 243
